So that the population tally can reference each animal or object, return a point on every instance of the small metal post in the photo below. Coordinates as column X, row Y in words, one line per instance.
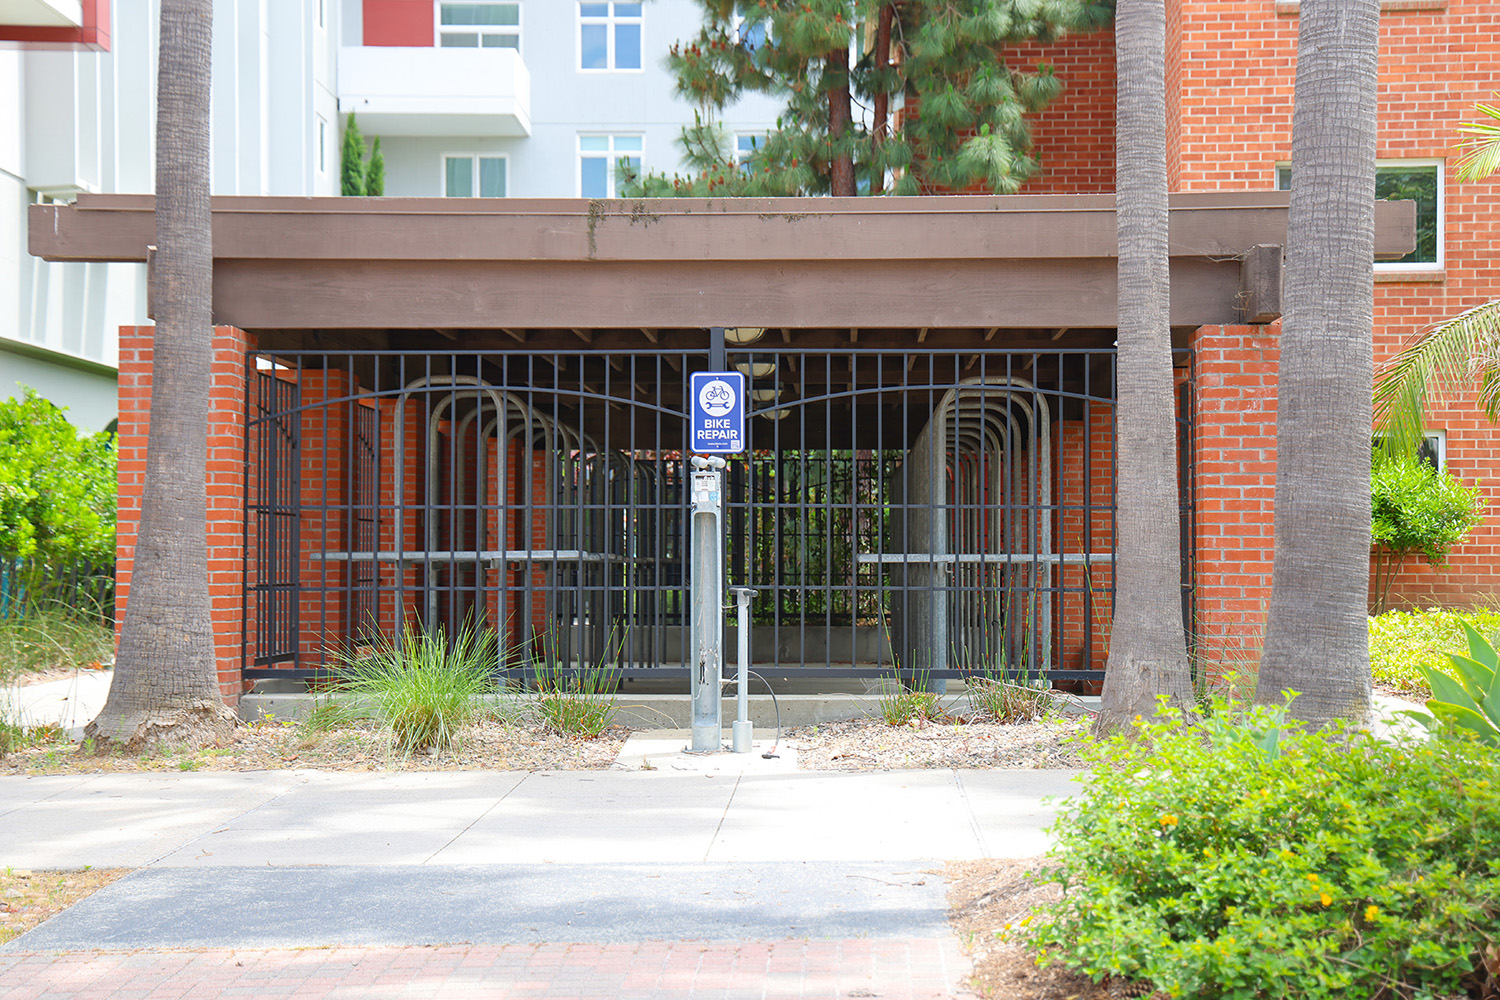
column 707, row 602
column 743, row 729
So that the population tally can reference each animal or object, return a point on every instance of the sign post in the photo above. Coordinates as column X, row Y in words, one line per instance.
column 717, row 428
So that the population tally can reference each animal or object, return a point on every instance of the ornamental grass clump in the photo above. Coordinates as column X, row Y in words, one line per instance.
column 1255, row 859
column 424, row 687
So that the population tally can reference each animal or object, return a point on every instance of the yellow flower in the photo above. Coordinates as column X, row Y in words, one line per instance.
column 1326, row 899
column 1371, row 912
column 1313, row 879
column 1167, row 819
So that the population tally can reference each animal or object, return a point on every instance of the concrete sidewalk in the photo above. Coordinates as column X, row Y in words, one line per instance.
column 473, row 884
column 434, row 818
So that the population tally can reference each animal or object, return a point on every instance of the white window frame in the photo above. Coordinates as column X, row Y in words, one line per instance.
column 611, row 157
column 473, row 159
column 1437, row 439
column 322, row 144
column 609, row 21
column 1442, row 211
column 437, row 22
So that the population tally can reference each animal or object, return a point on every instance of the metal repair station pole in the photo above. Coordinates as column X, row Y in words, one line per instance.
column 708, row 601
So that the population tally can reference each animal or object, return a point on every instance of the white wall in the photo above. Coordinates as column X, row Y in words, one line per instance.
column 72, row 121
column 566, row 101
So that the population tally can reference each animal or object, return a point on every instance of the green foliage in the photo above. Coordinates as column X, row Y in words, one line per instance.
column 357, row 175
column 906, row 703
column 425, row 688
column 946, row 59
column 57, row 487
column 1402, row 641
column 579, row 704
column 1254, row 859
column 1468, row 701
column 375, row 171
column 1414, row 508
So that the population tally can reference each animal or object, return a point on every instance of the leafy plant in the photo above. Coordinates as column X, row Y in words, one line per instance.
column 425, row 687
column 905, row 703
column 1469, row 700
column 1414, row 508
column 1402, row 642
column 1218, row 863
column 57, row 500
column 578, row 704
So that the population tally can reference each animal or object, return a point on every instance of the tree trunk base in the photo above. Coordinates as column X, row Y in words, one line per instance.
column 197, row 723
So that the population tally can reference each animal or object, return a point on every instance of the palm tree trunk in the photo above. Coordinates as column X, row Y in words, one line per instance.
column 165, row 684
column 1147, row 648
column 1317, row 638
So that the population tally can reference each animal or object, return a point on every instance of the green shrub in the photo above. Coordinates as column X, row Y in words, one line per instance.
column 425, row 689
column 903, row 703
column 1415, row 508
column 47, row 635
column 1257, row 860
column 1465, row 700
column 57, row 489
column 580, row 704
column 1401, row 642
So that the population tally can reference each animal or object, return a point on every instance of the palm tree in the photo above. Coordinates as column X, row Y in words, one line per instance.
column 165, row 684
column 1317, row 640
column 1147, row 649
column 1457, row 352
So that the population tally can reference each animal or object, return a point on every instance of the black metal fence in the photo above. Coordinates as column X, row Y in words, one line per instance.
column 910, row 512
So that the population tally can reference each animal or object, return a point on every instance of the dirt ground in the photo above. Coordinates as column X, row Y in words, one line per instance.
column 29, row 897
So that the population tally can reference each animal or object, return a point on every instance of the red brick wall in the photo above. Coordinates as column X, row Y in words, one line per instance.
column 225, row 481
column 1074, row 137
column 1235, row 469
column 1239, row 62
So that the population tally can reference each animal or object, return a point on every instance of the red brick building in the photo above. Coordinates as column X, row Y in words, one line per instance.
column 556, row 337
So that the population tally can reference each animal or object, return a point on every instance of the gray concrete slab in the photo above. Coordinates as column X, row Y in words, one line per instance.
column 351, row 905
column 21, row 792
column 847, row 816
column 128, row 820
column 601, row 816
column 70, row 703
column 1010, row 810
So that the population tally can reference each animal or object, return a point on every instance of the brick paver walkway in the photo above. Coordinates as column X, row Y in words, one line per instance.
column 678, row 970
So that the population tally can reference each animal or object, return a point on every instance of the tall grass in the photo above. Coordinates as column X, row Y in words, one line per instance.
column 425, row 687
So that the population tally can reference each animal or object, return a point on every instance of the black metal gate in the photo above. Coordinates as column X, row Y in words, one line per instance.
column 913, row 512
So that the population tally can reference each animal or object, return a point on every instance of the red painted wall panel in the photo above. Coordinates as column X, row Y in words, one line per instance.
column 398, row 22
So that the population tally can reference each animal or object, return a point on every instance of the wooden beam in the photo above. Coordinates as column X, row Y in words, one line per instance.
column 1059, row 334
column 922, row 335
column 519, row 336
column 854, row 335
column 650, row 334
column 587, row 336
column 1260, row 285
column 990, row 334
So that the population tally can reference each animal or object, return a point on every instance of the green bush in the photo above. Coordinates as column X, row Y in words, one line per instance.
column 1414, row 508
column 1401, row 642
column 580, row 704
column 57, row 488
column 1257, row 860
column 425, row 688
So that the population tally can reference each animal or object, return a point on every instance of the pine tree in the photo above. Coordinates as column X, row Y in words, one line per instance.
column 375, row 171
column 352, row 162
column 965, row 122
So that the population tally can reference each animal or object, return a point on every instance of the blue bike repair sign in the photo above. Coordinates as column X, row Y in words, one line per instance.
column 718, row 414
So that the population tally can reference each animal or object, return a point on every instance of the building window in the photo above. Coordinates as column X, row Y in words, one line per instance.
column 322, row 145
column 479, row 24
column 321, row 13
column 599, row 158
column 1432, row 452
column 609, row 35
column 472, row 176
column 1420, row 181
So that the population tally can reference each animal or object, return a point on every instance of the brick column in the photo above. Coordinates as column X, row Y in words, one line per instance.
column 1235, row 469
column 225, row 482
